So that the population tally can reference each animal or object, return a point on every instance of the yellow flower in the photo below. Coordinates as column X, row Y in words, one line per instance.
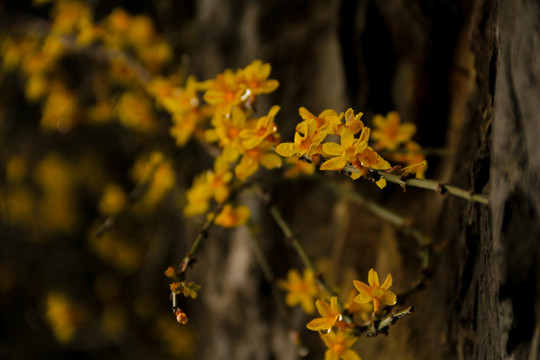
column 389, row 132
column 233, row 216
column 198, row 197
column 135, row 112
column 298, row 167
column 328, row 118
column 225, row 92
column 339, row 346
column 219, row 179
column 262, row 154
column 63, row 316
column 255, row 78
column 375, row 292
column 113, row 200
column 352, row 122
column 347, row 151
column 262, row 128
column 69, row 15
column 140, row 30
column 301, row 290
column 361, row 311
column 59, row 110
column 226, row 131
column 413, row 158
column 307, row 144
column 330, row 314
column 36, row 87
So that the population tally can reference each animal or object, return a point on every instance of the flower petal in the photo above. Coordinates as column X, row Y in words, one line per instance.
column 305, row 114
column 336, row 163
column 362, row 298
column 331, row 355
column 319, row 324
column 350, row 355
column 286, row 149
column 252, row 141
column 332, row 149
column 373, row 278
column 360, row 286
column 389, row 298
column 323, row 308
column 269, row 86
column 334, row 305
column 347, row 138
column 387, row 283
column 271, row 161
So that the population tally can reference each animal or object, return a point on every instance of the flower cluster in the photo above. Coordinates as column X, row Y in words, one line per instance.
column 353, row 149
column 394, row 139
column 121, row 38
column 337, row 324
column 313, row 130
column 220, row 112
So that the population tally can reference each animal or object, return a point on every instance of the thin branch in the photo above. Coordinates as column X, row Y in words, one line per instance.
column 381, row 327
column 433, row 185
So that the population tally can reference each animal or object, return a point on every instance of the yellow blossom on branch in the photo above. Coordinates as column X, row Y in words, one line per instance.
column 327, row 118
column 329, row 315
column 258, row 130
column 339, row 346
column 226, row 132
column 263, row 154
column 198, row 197
column 308, row 144
column 374, row 291
column 358, row 311
column 346, row 152
column 255, row 79
column 298, row 167
column 225, row 92
column 389, row 133
column 352, row 122
column 301, row 289
column 233, row 216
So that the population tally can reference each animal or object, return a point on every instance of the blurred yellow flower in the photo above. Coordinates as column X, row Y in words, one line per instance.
column 389, row 133
column 339, row 346
column 301, row 289
column 63, row 316
column 113, row 200
column 135, row 112
column 298, row 167
column 255, row 79
column 258, row 130
column 233, row 216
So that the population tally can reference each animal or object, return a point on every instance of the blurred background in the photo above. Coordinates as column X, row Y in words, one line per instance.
column 85, row 151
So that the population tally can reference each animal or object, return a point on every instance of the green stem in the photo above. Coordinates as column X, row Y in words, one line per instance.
column 428, row 184
column 276, row 214
column 297, row 245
